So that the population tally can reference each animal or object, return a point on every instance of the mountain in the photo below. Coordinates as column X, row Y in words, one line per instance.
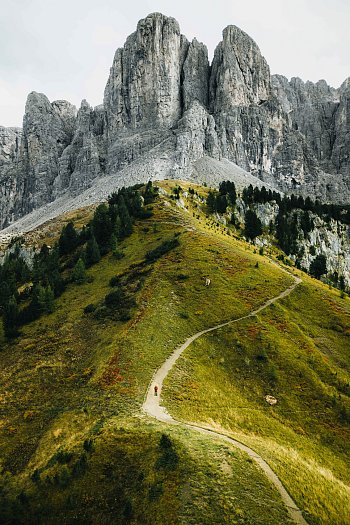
column 165, row 108
column 76, row 445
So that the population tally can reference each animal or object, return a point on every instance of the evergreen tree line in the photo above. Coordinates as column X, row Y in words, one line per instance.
column 294, row 218
column 67, row 261
column 287, row 203
column 288, row 228
column 226, row 196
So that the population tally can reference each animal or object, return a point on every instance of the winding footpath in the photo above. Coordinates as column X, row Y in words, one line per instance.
column 153, row 408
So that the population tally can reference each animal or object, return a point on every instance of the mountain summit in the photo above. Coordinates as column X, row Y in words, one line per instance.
column 168, row 113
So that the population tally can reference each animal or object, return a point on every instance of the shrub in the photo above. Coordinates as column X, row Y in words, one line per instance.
column 90, row 308
column 80, row 465
column 124, row 314
column 101, row 312
column 117, row 254
column 114, row 281
column 155, row 491
column 88, row 445
column 262, row 355
column 182, row 276
column 115, row 298
column 161, row 250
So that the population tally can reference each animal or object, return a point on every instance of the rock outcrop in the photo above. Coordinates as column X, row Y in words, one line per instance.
column 10, row 140
column 163, row 99
column 47, row 131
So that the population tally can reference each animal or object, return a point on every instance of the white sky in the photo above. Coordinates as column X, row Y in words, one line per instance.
column 64, row 48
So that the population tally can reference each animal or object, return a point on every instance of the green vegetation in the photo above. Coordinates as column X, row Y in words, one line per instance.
column 288, row 229
column 253, row 227
column 318, row 266
column 296, row 352
column 74, row 446
column 48, row 277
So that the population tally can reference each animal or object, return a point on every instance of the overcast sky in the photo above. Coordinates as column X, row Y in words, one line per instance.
column 64, row 48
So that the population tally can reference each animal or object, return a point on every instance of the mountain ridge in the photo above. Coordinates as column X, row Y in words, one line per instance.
column 290, row 134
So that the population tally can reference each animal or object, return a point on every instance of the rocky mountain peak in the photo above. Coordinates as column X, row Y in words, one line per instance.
column 143, row 89
column 240, row 74
column 166, row 107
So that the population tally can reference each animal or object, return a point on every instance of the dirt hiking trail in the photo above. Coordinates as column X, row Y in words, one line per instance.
column 152, row 404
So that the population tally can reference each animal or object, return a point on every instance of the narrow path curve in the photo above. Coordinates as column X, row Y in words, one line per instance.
column 152, row 406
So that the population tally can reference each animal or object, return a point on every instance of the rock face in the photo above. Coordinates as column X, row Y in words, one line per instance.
column 163, row 98
column 47, row 131
column 84, row 158
column 10, row 139
column 143, row 89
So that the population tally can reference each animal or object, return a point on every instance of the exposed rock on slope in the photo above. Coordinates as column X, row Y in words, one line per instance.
column 10, row 139
column 163, row 100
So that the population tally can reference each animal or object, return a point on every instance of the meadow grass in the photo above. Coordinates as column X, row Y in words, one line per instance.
column 297, row 353
column 72, row 377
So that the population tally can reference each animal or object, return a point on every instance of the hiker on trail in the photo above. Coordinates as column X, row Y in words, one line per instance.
column 155, row 390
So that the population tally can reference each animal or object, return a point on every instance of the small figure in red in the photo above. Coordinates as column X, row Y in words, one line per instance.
column 155, row 390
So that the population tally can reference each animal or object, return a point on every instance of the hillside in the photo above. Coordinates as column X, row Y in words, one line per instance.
column 75, row 444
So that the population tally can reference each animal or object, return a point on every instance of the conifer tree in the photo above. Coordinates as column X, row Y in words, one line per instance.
column 102, row 227
column 10, row 318
column 253, row 226
column 318, row 266
column 49, row 300
column 125, row 219
column 211, row 202
column 113, row 243
column 92, row 252
column 68, row 240
column 79, row 272
column 221, row 203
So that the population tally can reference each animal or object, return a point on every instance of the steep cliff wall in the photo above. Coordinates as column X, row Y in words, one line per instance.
column 163, row 98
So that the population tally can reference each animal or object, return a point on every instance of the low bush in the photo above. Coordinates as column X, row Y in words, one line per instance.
column 161, row 250
column 90, row 308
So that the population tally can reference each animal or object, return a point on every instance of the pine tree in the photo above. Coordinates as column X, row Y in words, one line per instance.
column 68, row 240
column 49, row 300
column 39, row 300
column 79, row 272
column 102, row 227
column 150, row 193
column 125, row 219
column 247, row 194
column 221, row 203
column 113, row 243
column 5, row 293
column 253, row 226
column 318, row 266
column 57, row 283
column 92, row 252
column 10, row 318
column 211, row 202
column 342, row 283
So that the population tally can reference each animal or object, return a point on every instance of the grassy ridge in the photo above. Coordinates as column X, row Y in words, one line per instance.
column 121, row 471
column 298, row 354
column 73, row 377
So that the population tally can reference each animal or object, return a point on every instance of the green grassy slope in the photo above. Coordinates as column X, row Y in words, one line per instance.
column 299, row 353
column 74, row 446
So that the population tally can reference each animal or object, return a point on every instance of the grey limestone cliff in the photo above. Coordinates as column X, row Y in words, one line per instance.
column 164, row 102
column 10, row 140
